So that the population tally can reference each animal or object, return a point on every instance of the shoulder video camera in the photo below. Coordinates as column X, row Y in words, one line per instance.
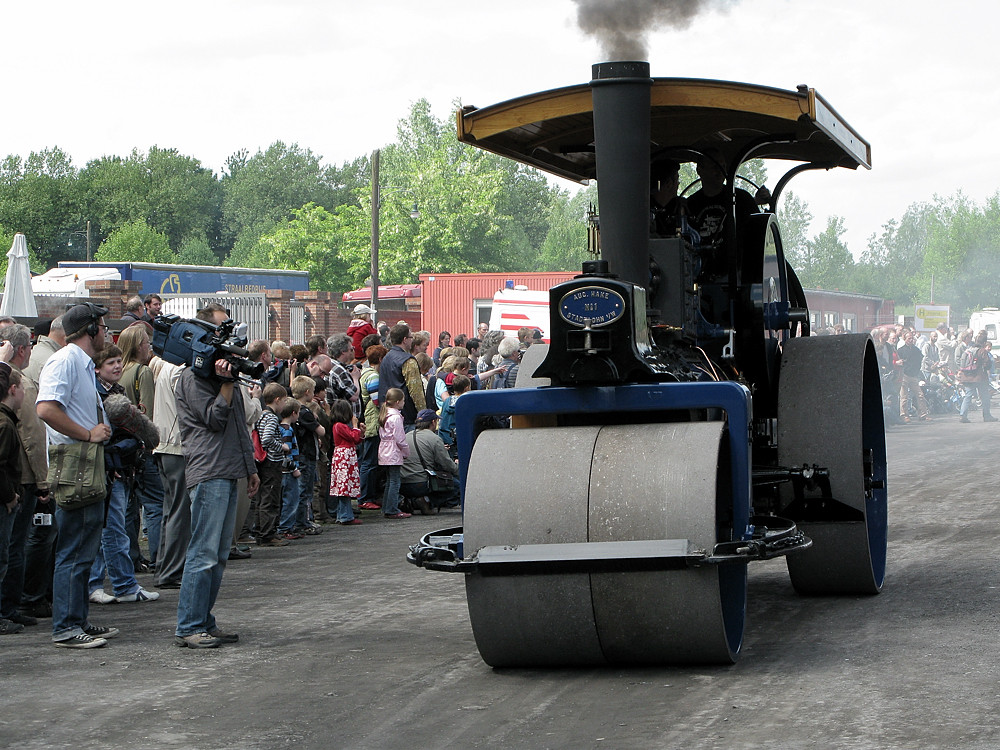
column 199, row 345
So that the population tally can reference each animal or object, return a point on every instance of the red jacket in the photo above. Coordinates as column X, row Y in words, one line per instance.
column 357, row 330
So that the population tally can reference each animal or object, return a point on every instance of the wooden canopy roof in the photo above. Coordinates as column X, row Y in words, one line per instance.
column 554, row 130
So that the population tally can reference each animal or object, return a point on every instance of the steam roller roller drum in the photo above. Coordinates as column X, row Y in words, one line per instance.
column 830, row 415
column 610, row 483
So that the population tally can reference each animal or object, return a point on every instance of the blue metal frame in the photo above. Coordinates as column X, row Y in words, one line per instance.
column 733, row 398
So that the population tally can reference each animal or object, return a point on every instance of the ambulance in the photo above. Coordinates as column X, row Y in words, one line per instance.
column 519, row 307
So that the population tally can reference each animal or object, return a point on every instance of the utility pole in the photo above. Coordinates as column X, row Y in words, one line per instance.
column 376, row 200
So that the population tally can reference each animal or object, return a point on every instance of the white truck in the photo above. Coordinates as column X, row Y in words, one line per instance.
column 987, row 319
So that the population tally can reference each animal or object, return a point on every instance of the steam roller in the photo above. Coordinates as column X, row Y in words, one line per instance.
column 681, row 422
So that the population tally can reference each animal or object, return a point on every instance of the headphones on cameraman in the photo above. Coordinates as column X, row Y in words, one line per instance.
column 95, row 311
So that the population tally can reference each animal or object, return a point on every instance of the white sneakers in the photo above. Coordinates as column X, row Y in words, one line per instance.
column 99, row 596
column 140, row 596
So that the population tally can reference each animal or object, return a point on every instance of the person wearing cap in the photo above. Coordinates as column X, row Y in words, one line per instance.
column 360, row 327
column 428, row 453
column 73, row 413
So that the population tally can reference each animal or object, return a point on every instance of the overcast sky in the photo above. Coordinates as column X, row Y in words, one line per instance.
column 211, row 77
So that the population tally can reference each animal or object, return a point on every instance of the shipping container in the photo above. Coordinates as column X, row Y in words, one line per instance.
column 459, row 302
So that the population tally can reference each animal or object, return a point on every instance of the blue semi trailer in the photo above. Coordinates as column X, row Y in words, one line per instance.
column 176, row 279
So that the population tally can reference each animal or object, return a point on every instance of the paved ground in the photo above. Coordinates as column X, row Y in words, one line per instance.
column 345, row 645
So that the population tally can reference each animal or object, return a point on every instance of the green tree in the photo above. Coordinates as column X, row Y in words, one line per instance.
column 135, row 242
column 478, row 212
column 332, row 246
column 195, row 251
column 963, row 247
column 248, row 251
column 794, row 217
column 39, row 197
column 170, row 192
column 184, row 198
column 565, row 245
column 891, row 265
column 828, row 263
column 261, row 190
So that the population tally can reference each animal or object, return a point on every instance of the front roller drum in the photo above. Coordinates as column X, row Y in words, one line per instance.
column 604, row 484
column 830, row 414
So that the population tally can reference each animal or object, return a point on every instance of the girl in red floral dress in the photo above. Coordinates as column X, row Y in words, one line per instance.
column 345, row 478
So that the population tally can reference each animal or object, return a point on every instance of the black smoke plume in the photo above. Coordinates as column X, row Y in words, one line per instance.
column 620, row 26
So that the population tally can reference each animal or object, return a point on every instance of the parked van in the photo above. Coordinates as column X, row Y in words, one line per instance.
column 987, row 319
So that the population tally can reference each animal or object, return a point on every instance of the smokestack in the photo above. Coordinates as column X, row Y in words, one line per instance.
column 620, row 92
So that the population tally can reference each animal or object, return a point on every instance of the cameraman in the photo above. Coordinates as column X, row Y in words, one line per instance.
column 218, row 452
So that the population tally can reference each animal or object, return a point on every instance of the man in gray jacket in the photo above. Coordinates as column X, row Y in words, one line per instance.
column 217, row 452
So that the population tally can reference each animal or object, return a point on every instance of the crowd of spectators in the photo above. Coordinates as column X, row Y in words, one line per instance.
column 199, row 470
column 936, row 373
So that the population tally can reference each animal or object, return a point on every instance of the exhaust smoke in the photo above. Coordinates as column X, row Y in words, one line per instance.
column 620, row 26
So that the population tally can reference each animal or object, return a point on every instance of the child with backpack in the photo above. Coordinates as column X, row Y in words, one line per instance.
column 974, row 375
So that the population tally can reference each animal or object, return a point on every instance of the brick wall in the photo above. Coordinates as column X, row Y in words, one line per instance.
column 324, row 316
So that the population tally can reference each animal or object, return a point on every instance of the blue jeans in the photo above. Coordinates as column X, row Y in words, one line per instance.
column 306, row 484
column 983, row 391
column 39, row 559
column 113, row 556
column 77, row 544
column 368, row 467
column 345, row 510
column 213, row 515
column 13, row 579
column 149, row 489
column 289, row 503
column 390, row 500
column 6, row 526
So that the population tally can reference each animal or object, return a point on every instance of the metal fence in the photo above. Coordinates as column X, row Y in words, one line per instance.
column 249, row 308
column 296, row 322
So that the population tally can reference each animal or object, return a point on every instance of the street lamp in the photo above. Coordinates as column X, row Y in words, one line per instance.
column 376, row 205
column 81, row 234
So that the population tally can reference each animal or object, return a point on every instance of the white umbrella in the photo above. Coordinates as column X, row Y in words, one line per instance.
column 18, row 299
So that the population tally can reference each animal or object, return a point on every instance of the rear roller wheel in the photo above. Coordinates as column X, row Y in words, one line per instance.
column 830, row 414
column 597, row 484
